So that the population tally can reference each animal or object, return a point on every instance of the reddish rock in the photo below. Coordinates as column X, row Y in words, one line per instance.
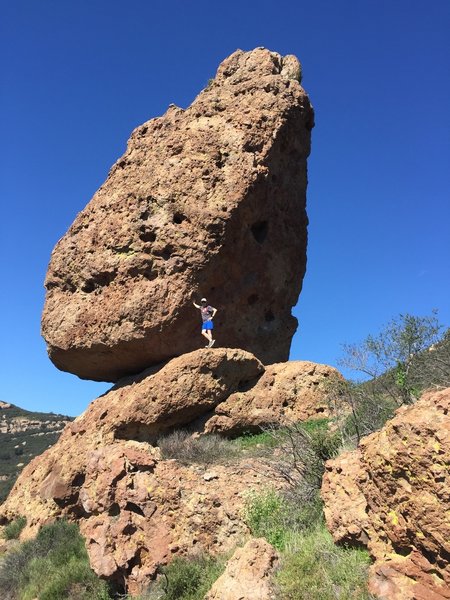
column 392, row 494
column 141, row 512
column 207, row 201
column 248, row 574
column 286, row 392
column 135, row 510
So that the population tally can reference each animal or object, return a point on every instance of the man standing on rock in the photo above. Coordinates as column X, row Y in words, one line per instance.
column 207, row 313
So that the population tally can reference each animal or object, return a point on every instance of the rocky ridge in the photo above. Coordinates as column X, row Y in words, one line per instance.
column 207, row 201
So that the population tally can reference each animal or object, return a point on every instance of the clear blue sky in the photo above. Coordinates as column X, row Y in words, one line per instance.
column 77, row 77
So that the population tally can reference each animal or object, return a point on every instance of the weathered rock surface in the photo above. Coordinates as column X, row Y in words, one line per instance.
column 140, row 512
column 286, row 392
column 392, row 494
column 248, row 574
column 136, row 510
column 139, row 409
column 207, row 201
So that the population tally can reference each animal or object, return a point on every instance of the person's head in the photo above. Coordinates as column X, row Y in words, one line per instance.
column 204, row 301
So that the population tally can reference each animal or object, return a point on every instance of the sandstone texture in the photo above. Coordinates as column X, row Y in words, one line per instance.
column 136, row 510
column 392, row 495
column 285, row 393
column 207, row 201
column 248, row 574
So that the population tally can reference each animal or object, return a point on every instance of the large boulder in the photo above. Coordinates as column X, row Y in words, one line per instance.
column 392, row 495
column 207, row 201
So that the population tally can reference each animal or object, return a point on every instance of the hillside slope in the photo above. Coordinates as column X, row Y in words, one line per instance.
column 24, row 435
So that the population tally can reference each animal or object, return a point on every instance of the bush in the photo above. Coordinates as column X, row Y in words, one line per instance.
column 186, row 578
column 53, row 566
column 300, row 456
column 313, row 567
column 360, row 408
column 13, row 529
column 265, row 515
column 250, row 442
column 398, row 360
column 206, row 449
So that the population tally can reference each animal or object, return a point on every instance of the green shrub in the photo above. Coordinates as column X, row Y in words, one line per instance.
column 53, row 566
column 13, row 529
column 187, row 578
column 313, row 567
column 265, row 515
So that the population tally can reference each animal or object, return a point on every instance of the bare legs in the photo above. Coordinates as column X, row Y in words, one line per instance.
column 207, row 334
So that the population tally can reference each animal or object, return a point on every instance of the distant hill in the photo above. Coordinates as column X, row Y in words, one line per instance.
column 24, row 435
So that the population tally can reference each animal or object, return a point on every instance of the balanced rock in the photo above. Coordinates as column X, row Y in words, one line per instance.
column 248, row 574
column 392, row 495
column 207, row 201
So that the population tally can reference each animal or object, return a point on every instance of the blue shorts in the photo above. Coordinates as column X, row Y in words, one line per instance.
column 207, row 325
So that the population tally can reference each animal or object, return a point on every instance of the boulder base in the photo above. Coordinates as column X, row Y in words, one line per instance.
column 136, row 510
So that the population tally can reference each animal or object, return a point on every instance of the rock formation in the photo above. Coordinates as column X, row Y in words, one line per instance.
column 286, row 393
column 392, row 495
column 248, row 574
column 135, row 509
column 207, row 201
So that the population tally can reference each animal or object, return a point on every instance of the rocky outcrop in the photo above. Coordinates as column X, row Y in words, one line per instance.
column 207, row 201
column 139, row 511
column 248, row 574
column 286, row 393
column 139, row 409
column 136, row 510
column 392, row 495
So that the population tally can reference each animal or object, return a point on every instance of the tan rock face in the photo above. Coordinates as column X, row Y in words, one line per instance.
column 207, row 201
column 286, row 393
column 393, row 495
column 248, row 574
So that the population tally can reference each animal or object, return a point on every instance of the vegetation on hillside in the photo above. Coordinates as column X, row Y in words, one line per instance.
column 408, row 356
column 53, row 566
column 17, row 449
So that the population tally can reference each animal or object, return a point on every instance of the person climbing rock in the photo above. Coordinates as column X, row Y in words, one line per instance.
column 208, row 313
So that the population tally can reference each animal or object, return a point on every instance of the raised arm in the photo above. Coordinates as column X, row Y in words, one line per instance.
column 196, row 305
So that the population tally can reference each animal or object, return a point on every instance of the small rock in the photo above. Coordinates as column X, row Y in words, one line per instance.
column 248, row 574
